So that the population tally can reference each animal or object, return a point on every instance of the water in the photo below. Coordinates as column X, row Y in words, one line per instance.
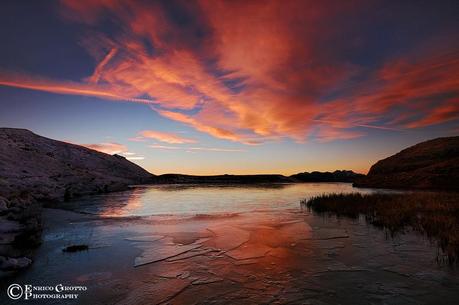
column 253, row 246
column 206, row 199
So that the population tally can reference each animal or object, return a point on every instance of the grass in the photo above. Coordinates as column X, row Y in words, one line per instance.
column 434, row 215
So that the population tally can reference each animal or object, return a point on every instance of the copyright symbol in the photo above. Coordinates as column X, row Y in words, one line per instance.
column 14, row 291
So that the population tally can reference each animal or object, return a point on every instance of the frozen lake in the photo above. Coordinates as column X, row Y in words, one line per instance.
column 206, row 199
column 231, row 245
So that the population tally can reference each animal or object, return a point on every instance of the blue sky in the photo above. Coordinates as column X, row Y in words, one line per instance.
column 211, row 87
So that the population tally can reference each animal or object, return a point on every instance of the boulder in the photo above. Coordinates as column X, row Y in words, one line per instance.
column 11, row 264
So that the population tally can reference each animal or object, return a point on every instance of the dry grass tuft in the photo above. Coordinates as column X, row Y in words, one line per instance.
column 435, row 215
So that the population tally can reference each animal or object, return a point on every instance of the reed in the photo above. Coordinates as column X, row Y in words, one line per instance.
column 434, row 215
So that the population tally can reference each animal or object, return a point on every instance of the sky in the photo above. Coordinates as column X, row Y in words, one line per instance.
column 233, row 87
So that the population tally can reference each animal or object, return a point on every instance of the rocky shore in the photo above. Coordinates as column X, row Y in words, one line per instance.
column 36, row 171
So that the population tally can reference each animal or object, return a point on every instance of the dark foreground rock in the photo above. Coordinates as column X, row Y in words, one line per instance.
column 432, row 164
column 36, row 170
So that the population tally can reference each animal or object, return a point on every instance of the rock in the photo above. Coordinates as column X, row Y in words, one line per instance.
column 4, row 203
column 432, row 164
column 9, row 226
column 9, row 263
column 35, row 169
column 9, row 249
column 7, row 238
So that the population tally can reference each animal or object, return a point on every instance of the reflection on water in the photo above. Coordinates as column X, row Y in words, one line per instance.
column 277, row 257
column 221, row 255
column 206, row 199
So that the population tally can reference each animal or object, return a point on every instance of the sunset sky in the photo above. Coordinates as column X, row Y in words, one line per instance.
column 243, row 87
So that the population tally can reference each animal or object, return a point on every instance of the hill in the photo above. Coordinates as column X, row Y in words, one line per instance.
column 433, row 164
column 35, row 169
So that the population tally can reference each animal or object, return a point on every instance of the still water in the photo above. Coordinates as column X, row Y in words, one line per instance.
column 207, row 199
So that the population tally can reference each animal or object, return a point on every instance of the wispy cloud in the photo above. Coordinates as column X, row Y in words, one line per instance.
column 137, row 139
column 256, row 71
column 193, row 149
column 110, row 148
column 166, row 137
column 164, row 147
column 215, row 149
column 61, row 87
column 135, row 158
column 132, row 156
column 128, row 153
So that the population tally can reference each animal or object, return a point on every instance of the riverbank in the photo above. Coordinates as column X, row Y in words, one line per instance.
column 432, row 214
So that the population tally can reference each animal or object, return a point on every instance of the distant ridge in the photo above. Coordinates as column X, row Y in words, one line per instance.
column 220, row 179
column 336, row 176
column 432, row 164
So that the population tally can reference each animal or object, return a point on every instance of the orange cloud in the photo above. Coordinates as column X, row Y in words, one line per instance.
column 166, row 137
column 110, row 148
column 216, row 149
column 188, row 149
column 446, row 112
column 94, row 78
column 164, row 147
column 257, row 71
column 41, row 84
column 206, row 128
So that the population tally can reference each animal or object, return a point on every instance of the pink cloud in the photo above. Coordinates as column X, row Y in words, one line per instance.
column 164, row 147
column 166, row 137
column 282, row 58
column 194, row 149
column 110, row 148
